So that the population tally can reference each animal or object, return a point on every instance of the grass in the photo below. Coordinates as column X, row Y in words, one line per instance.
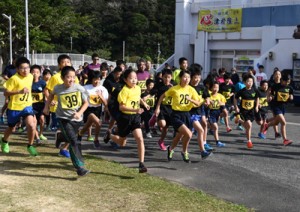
column 49, row 183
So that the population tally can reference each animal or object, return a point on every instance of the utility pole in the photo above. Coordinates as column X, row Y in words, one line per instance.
column 123, row 50
column 27, row 29
column 158, row 53
column 71, row 44
column 10, row 37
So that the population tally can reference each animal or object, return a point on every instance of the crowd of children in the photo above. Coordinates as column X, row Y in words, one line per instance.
column 135, row 102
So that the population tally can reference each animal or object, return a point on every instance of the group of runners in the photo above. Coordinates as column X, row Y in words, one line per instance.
column 140, row 102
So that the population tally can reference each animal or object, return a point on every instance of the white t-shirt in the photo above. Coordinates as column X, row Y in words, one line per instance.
column 260, row 77
column 94, row 99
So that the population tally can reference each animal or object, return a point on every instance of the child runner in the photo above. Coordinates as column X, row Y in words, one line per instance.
column 72, row 102
column 18, row 89
column 262, row 115
column 92, row 116
column 279, row 96
column 227, row 90
column 150, row 100
column 196, row 70
column 129, row 100
column 249, row 104
column 164, row 116
column 184, row 98
column 216, row 106
column 38, row 101
column 197, row 112
column 47, row 74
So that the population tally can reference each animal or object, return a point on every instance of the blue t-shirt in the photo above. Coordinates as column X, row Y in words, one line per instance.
column 37, row 92
column 9, row 71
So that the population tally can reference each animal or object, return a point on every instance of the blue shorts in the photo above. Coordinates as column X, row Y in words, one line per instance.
column 214, row 116
column 196, row 117
column 14, row 116
column 278, row 110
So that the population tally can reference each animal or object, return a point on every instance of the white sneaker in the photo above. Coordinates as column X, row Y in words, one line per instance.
column 148, row 135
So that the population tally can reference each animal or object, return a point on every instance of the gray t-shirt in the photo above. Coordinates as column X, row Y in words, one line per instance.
column 69, row 100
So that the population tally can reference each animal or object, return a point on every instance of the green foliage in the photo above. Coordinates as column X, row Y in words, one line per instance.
column 99, row 26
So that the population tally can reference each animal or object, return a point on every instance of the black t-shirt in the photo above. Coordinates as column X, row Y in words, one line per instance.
column 159, row 89
column 225, row 90
column 281, row 94
column 262, row 95
column 248, row 98
column 203, row 92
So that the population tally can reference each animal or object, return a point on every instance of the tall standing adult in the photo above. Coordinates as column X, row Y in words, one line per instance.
column 94, row 66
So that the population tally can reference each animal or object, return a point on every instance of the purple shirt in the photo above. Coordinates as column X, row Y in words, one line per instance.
column 92, row 67
column 142, row 75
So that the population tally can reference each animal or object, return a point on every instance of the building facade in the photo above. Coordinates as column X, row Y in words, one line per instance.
column 265, row 38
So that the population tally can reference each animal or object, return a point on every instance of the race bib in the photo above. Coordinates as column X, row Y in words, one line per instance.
column 142, row 84
column 263, row 102
column 282, row 97
column 226, row 95
column 37, row 97
column 167, row 100
column 214, row 105
column 95, row 100
column 150, row 101
column 247, row 104
column 70, row 100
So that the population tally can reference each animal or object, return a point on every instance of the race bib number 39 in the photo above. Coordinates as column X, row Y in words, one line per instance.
column 247, row 104
column 70, row 100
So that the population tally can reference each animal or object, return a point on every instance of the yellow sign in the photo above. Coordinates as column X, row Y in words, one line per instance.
column 223, row 20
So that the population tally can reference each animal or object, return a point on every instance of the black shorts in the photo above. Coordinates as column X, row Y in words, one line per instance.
column 179, row 118
column 38, row 109
column 214, row 116
column 247, row 115
column 261, row 115
column 278, row 110
column 114, row 112
column 165, row 114
column 92, row 110
column 128, row 123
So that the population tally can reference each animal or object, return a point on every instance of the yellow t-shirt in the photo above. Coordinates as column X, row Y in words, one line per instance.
column 215, row 101
column 15, row 83
column 130, row 97
column 179, row 97
column 56, row 80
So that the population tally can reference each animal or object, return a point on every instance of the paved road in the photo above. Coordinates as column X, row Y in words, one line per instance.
column 265, row 178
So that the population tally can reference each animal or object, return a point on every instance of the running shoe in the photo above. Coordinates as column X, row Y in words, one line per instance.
column 64, row 153
column 142, row 168
column 287, row 142
column 265, row 128
column 58, row 139
column 261, row 135
column 32, row 151
column 161, row 145
column 185, row 157
column 249, row 145
column 152, row 121
column 106, row 137
column 148, row 135
column 277, row 135
column 82, row 172
column 222, row 121
column 205, row 154
column 220, row 144
column 38, row 142
column 54, row 129
column 96, row 144
column 90, row 138
column 1, row 120
column 228, row 129
column 43, row 138
column 170, row 153
column 4, row 147
column 208, row 148
column 240, row 127
column 114, row 145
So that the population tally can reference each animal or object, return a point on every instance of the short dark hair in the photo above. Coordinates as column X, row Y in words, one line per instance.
column 247, row 76
column 47, row 71
column 62, row 57
column 36, row 67
column 22, row 60
column 94, row 55
column 104, row 66
column 66, row 70
column 227, row 76
column 120, row 62
column 181, row 60
column 262, row 82
column 117, row 69
column 148, row 81
column 166, row 71
column 261, row 66
column 184, row 72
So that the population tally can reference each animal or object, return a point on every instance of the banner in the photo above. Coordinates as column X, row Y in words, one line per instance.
column 224, row 20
